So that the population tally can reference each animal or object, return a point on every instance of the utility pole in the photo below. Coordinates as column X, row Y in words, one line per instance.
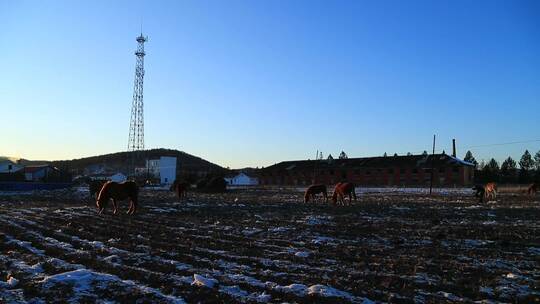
column 432, row 158
column 314, row 181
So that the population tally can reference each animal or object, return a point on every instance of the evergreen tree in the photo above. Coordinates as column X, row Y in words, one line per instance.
column 470, row 158
column 425, row 153
column 395, row 154
column 508, row 165
column 482, row 165
column 537, row 160
column 385, row 155
column 492, row 166
column 537, row 166
column 343, row 155
column 409, row 153
column 490, row 171
column 526, row 162
column 508, row 169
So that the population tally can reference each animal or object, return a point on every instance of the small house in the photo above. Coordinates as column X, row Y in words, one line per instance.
column 242, row 179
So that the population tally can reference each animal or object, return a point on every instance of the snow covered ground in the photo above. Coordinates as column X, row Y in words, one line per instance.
column 267, row 246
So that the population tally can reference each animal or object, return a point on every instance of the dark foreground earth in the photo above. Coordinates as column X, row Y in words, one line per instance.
column 266, row 246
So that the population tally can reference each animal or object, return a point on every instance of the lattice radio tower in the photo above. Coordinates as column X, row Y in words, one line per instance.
column 136, row 125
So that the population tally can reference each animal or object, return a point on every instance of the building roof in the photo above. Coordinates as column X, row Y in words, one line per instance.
column 423, row 161
column 33, row 169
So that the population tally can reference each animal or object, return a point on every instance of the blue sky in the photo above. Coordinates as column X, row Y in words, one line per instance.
column 251, row 83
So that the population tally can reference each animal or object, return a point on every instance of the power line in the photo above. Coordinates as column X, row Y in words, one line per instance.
column 504, row 144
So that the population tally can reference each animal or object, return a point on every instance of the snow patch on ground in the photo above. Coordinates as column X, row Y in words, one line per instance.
column 234, row 291
column 324, row 240
column 84, row 282
column 251, row 231
column 26, row 245
column 278, row 229
column 314, row 220
column 302, row 254
column 201, row 281
column 299, row 290
column 327, row 291
column 11, row 282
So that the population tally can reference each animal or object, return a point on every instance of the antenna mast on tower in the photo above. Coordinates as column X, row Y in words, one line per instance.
column 136, row 125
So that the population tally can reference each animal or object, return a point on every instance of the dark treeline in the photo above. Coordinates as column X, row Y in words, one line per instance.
column 526, row 170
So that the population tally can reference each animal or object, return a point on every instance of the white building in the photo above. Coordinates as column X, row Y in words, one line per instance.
column 242, row 179
column 163, row 168
column 152, row 167
column 9, row 167
column 167, row 169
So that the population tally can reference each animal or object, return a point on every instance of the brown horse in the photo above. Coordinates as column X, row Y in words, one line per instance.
column 490, row 191
column 341, row 190
column 118, row 191
column 533, row 188
column 313, row 190
column 180, row 188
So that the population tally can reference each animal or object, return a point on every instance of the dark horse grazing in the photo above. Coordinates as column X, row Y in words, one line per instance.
column 118, row 191
column 341, row 190
column 479, row 192
column 180, row 188
column 313, row 190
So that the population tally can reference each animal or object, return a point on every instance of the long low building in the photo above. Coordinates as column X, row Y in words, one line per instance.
column 410, row 170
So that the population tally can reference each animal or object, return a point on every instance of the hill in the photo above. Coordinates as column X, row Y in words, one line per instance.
column 123, row 161
column 23, row 161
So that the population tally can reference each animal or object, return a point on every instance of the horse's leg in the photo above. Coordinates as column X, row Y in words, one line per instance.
column 134, row 200
column 130, row 206
column 115, row 207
